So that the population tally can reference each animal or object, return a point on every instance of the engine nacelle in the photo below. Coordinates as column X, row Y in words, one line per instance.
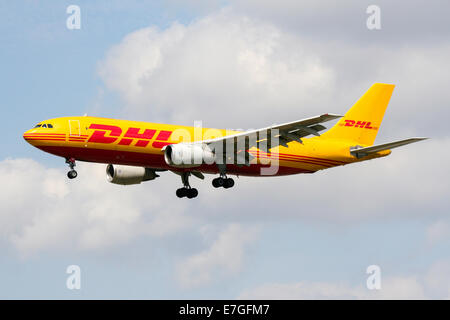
column 188, row 155
column 126, row 175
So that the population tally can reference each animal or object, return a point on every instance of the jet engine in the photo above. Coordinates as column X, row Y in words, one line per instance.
column 127, row 175
column 188, row 155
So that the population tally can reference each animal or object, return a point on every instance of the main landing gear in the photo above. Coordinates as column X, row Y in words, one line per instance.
column 186, row 191
column 223, row 181
column 72, row 174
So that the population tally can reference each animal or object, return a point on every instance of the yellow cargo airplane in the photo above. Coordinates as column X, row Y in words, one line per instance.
column 136, row 151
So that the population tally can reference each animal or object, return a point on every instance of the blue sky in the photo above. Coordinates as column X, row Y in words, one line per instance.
column 49, row 69
column 303, row 233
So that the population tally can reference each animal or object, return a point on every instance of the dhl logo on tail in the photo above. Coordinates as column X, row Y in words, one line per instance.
column 358, row 124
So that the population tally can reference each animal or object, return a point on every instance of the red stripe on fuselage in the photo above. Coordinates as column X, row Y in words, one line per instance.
column 44, row 136
column 47, row 133
column 335, row 162
column 297, row 158
column 44, row 139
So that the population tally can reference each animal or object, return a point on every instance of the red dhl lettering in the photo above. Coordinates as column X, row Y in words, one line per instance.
column 358, row 124
column 162, row 136
column 134, row 133
column 109, row 134
column 99, row 135
column 349, row 123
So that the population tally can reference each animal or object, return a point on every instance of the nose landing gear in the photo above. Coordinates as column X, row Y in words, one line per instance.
column 72, row 174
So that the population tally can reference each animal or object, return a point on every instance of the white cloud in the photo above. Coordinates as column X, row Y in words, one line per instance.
column 392, row 288
column 231, row 69
column 407, row 184
column 301, row 290
column 401, row 23
column 42, row 210
column 223, row 258
column 221, row 67
column 437, row 279
column 433, row 283
column 400, row 288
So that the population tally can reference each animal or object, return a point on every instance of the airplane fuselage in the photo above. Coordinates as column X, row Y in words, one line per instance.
column 136, row 143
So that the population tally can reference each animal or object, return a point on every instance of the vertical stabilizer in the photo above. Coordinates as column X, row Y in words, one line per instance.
column 361, row 123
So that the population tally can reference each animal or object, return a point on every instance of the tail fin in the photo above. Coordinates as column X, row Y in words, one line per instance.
column 361, row 123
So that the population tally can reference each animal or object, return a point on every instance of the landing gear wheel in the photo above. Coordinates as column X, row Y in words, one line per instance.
column 223, row 182
column 72, row 174
column 182, row 192
column 186, row 191
column 218, row 182
column 192, row 193
column 228, row 183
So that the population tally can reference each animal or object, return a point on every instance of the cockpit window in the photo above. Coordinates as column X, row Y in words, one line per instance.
column 45, row 125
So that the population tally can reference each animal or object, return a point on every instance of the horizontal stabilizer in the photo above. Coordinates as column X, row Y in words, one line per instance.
column 362, row 152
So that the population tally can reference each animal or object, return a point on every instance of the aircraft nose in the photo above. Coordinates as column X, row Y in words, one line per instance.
column 27, row 135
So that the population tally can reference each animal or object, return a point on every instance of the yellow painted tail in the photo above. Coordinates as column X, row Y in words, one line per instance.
column 361, row 123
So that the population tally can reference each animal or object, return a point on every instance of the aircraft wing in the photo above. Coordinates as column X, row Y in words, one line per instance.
column 263, row 138
column 362, row 152
column 290, row 131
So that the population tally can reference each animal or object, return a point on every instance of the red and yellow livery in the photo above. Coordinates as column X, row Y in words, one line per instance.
column 152, row 147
